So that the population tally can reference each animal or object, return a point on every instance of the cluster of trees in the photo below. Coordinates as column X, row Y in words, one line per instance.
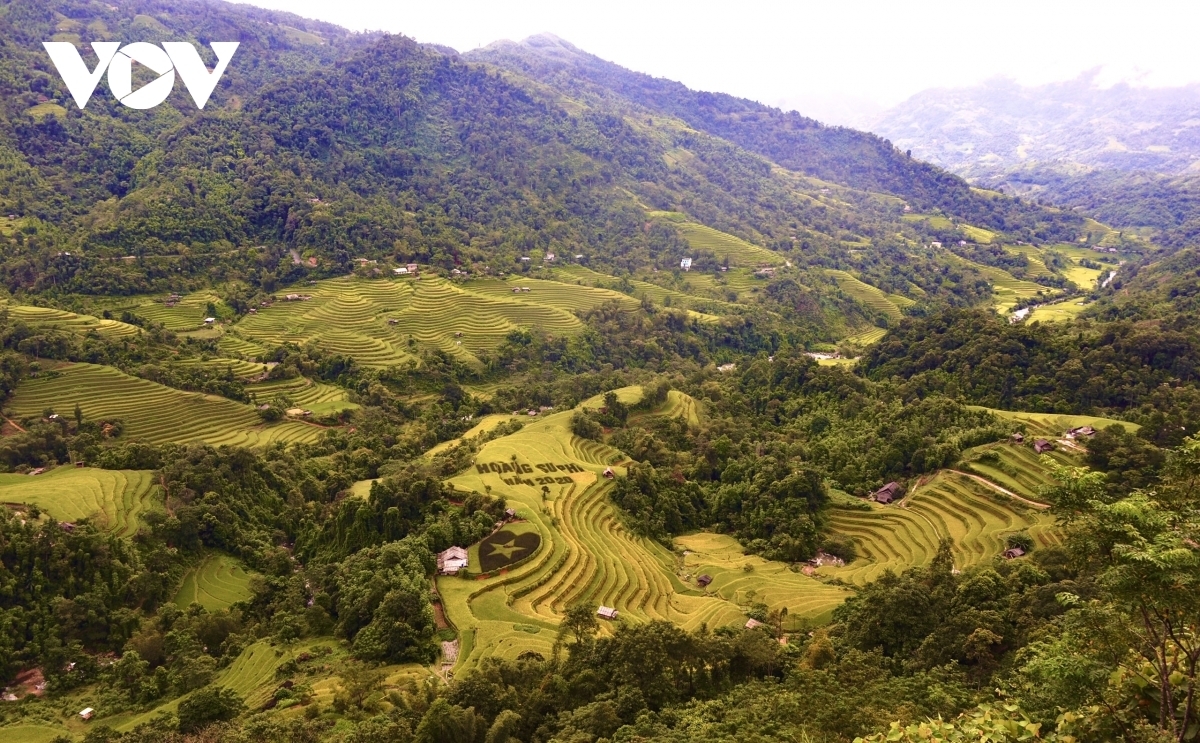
column 1145, row 374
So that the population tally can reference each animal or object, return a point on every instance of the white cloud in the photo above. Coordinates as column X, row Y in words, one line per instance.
column 849, row 54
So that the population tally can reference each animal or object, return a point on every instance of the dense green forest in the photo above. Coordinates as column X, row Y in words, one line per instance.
column 824, row 345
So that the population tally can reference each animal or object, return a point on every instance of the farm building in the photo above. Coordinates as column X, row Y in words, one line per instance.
column 753, row 623
column 1081, row 431
column 609, row 473
column 888, row 493
column 452, row 560
column 686, row 264
column 607, row 612
column 402, row 271
column 412, row 267
column 549, row 258
column 1018, row 437
column 510, row 513
column 1013, row 552
column 209, row 320
column 1041, row 446
column 704, row 580
column 87, row 713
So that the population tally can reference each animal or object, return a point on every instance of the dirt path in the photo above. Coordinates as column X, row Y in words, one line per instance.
column 10, row 422
column 988, row 483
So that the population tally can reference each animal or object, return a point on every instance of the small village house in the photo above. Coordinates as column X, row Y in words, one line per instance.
column 1012, row 553
column 704, row 580
column 608, row 473
column 412, row 267
column 888, row 493
column 1041, row 446
column 753, row 624
column 686, row 264
column 87, row 713
column 607, row 612
column 1018, row 437
column 452, row 560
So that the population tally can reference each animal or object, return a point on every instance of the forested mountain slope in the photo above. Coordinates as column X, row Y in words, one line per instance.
column 837, row 154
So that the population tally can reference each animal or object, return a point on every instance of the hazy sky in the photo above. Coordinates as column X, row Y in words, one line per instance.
column 833, row 59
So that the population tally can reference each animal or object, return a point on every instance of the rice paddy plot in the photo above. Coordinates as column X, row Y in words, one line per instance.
column 1007, row 290
column 744, row 579
column 705, row 309
column 318, row 397
column 1058, row 311
column 232, row 344
column 186, row 314
column 1053, row 425
column 1037, row 266
column 114, row 500
column 935, row 221
column 25, row 733
column 374, row 321
column 977, row 234
column 239, row 368
column 722, row 245
column 1015, row 467
column 866, row 337
column 46, row 317
column 870, row 296
column 218, row 582
column 949, row 506
column 152, row 412
column 586, row 555
column 567, row 297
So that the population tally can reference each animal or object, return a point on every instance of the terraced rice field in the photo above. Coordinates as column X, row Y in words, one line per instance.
column 866, row 337
column 1059, row 311
column 935, row 221
column 887, row 304
column 950, row 506
column 113, row 499
column 240, row 368
column 216, row 583
column 232, row 344
column 318, row 397
column 1054, row 425
column 586, row 555
column 567, row 297
column 187, row 314
column 1006, row 289
column 1037, row 266
column 772, row 583
column 152, row 412
column 1014, row 467
column 681, row 405
column 977, row 234
column 46, row 317
column 705, row 309
column 351, row 317
column 725, row 246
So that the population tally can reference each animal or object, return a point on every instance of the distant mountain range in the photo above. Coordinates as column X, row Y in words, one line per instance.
column 1127, row 155
column 998, row 126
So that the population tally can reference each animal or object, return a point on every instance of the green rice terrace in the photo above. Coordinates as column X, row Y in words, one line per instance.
column 112, row 499
column 722, row 245
column 151, row 412
column 218, row 582
column 568, row 545
column 380, row 323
